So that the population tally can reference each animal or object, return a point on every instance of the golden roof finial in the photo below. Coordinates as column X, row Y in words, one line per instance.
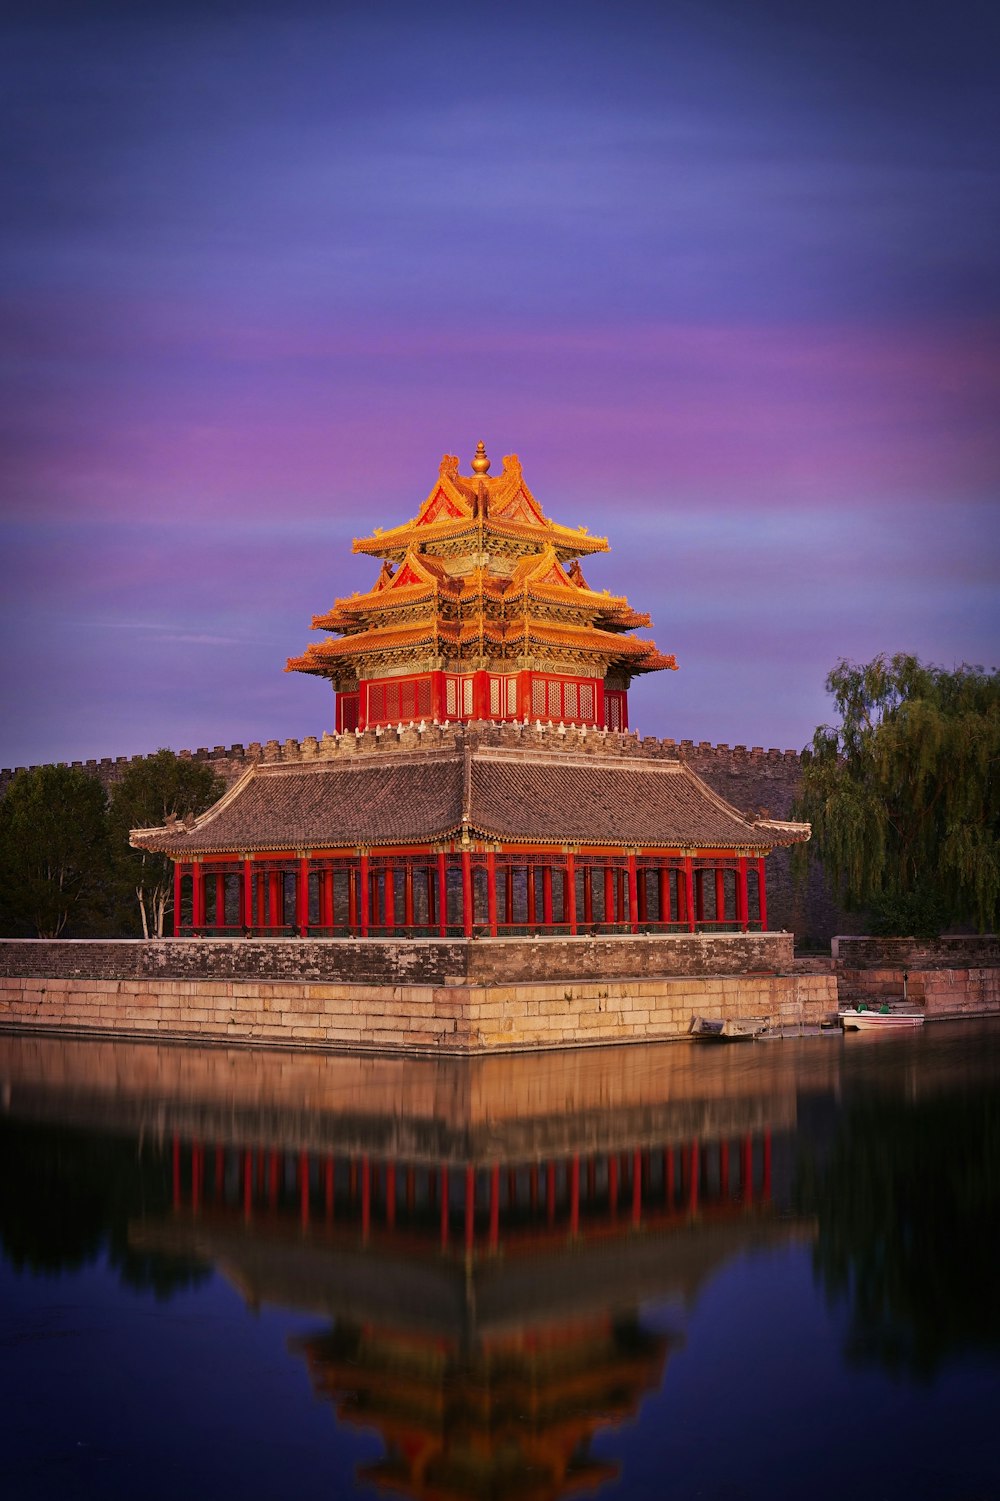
column 480, row 462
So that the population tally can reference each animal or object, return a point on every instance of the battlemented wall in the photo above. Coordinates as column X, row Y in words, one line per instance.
column 751, row 779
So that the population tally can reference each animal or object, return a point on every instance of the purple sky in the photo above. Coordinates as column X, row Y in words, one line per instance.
column 725, row 275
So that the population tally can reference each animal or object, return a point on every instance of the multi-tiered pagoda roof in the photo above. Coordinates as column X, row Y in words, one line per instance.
column 481, row 610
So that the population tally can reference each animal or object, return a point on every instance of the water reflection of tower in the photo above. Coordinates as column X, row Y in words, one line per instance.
column 484, row 1316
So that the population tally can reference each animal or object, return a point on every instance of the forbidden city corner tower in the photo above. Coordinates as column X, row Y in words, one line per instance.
column 481, row 611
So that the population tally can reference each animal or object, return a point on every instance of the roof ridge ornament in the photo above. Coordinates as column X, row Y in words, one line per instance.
column 480, row 462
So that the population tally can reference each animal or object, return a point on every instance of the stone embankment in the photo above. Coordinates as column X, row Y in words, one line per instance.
column 952, row 976
column 491, row 995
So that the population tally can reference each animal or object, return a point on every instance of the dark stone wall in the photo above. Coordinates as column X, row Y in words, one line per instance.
column 388, row 962
column 959, row 952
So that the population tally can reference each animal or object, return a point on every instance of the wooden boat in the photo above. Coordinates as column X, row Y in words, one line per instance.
column 862, row 1019
column 703, row 1029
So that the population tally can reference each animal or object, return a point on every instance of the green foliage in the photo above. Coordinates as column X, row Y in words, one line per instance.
column 152, row 790
column 904, row 793
column 53, row 852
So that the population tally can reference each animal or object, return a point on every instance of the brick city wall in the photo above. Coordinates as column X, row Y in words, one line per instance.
column 750, row 778
column 959, row 952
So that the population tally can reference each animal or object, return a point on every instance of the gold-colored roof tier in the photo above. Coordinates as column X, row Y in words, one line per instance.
column 468, row 507
column 481, row 571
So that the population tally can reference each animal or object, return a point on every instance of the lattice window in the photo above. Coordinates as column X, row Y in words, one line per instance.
column 614, row 706
column 466, row 698
column 571, row 701
column 495, row 686
column 586, row 701
column 538, row 698
column 555, row 700
column 512, row 696
column 451, row 698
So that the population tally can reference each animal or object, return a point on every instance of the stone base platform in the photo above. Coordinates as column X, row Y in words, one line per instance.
column 454, row 997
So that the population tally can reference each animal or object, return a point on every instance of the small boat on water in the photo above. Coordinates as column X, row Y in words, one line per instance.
column 862, row 1018
column 705, row 1029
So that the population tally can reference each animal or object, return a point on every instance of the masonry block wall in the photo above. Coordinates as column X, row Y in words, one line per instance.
column 751, row 779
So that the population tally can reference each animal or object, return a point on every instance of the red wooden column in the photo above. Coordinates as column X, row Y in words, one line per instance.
column 569, row 890
column 389, row 895
column 547, row 894
column 467, row 895
column 529, row 882
column 302, row 897
column 689, row 893
column 178, row 878
column 275, row 898
column 491, row 891
column 365, row 893
column 442, row 868
column 247, row 902
column 508, row 894
column 633, row 895
column 742, row 899
column 609, row 895
column 762, row 894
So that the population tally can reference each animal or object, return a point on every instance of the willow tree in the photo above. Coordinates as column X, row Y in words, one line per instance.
column 904, row 793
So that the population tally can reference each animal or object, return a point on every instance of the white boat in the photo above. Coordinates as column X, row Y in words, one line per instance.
column 863, row 1019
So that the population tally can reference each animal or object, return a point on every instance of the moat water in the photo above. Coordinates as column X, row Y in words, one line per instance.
column 768, row 1269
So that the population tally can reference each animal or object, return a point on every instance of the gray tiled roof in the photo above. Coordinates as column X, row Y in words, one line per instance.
column 513, row 796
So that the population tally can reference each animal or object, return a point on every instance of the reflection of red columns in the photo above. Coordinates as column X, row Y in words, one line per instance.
column 197, row 1174
column 444, row 1205
column 637, row 1190
column 724, row 1169
column 762, row 890
column 272, row 1180
column 613, row 1186
column 470, row 1205
column 746, row 1169
column 442, row 895
column 495, row 1206
column 220, row 1173
column 178, row 868
column 591, row 1177
column 574, row 1194
column 668, row 1177
column 533, row 1186
column 247, row 1184
column 765, row 1186
column 633, row 895
column 390, row 1195
column 689, row 911
column 411, row 1189
column 176, row 1171
column 304, row 1189
column 365, row 895
column 694, row 1174
column 491, row 891
column 467, row 893
column 366, row 1198
column 328, row 1190
column 550, row 1193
